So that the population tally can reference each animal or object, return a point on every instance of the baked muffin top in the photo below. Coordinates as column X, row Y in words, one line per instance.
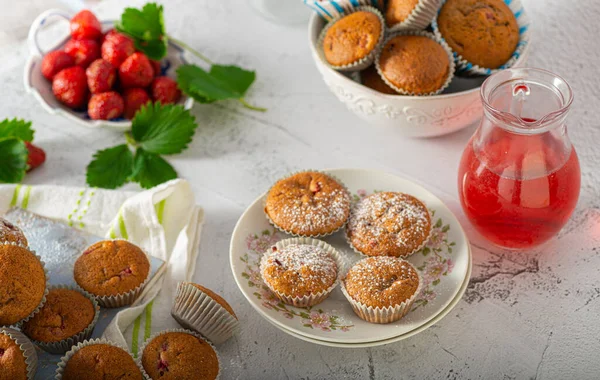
column 23, row 283
column 389, row 224
column 12, row 360
column 66, row 313
column 352, row 38
column 416, row 64
column 382, row 281
column 371, row 78
column 308, row 204
column 180, row 356
column 11, row 233
column 101, row 362
column 111, row 267
column 399, row 10
column 299, row 270
column 483, row 32
column 218, row 299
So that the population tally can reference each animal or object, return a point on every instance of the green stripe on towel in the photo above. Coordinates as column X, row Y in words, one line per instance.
column 148, row 327
column 122, row 227
column 25, row 202
column 15, row 196
column 135, row 336
column 160, row 210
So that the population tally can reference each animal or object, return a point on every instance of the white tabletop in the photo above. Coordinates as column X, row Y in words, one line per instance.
column 524, row 315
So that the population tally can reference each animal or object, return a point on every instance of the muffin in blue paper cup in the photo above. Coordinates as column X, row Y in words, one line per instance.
column 330, row 9
column 485, row 36
column 410, row 14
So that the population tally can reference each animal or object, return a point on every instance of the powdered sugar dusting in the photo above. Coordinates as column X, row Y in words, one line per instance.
column 295, row 257
column 324, row 210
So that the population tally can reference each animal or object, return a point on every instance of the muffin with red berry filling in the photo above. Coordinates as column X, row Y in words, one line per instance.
column 11, row 233
column 18, row 358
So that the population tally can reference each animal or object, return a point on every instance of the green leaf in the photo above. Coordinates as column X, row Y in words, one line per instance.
column 446, row 228
column 110, row 168
column 307, row 325
column 435, row 282
column 426, row 251
column 439, row 223
column 147, row 29
column 150, row 169
column 222, row 82
column 162, row 129
column 18, row 128
column 13, row 160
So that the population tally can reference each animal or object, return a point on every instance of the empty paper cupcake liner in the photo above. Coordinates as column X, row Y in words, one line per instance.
column 299, row 235
column 65, row 345
column 122, row 299
column 313, row 299
column 26, row 347
column 386, row 314
column 330, row 9
column 65, row 359
column 364, row 62
column 424, row 12
column 464, row 67
column 43, row 300
column 197, row 311
column 423, row 34
column 152, row 337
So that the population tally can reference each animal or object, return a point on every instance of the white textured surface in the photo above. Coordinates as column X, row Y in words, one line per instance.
column 524, row 316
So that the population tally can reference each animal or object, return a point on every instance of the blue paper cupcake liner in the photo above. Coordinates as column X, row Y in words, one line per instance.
column 330, row 9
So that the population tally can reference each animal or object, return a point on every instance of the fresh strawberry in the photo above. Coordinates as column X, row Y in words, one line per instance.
column 108, row 35
column 101, row 76
column 116, row 48
column 84, row 25
column 156, row 68
column 54, row 62
column 165, row 90
column 70, row 86
column 36, row 156
column 105, row 106
column 136, row 71
column 83, row 52
column 134, row 99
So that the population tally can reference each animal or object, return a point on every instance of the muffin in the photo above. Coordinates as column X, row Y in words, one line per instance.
column 114, row 271
column 18, row 360
column 11, row 233
column 308, row 204
column 389, row 224
column 98, row 360
column 415, row 64
column 483, row 32
column 301, row 272
column 371, row 78
column 398, row 11
column 353, row 39
column 381, row 289
column 67, row 317
column 200, row 309
column 23, row 283
column 181, row 355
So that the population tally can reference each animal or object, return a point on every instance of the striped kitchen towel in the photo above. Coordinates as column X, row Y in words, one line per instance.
column 330, row 9
column 164, row 221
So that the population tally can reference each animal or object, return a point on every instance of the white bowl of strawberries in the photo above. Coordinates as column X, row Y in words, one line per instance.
column 95, row 76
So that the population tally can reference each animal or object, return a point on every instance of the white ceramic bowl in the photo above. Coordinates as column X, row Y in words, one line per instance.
column 41, row 88
column 415, row 116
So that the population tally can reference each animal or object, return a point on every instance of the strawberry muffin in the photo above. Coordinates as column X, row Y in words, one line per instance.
column 11, row 233
column 17, row 355
column 95, row 360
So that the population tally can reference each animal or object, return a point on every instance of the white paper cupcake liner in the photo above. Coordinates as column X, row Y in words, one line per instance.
column 43, row 301
column 199, row 336
column 330, row 9
column 464, row 67
column 364, row 62
column 420, row 247
column 386, row 314
column 65, row 359
column 424, row 12
column 313, row 299
column 423, row 34
column 65, row 345
column 26, row 347
column 197, row 311
column 300, row 235
column 126, row 298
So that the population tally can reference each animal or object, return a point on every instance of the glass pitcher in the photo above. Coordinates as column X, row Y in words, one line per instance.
column 519, row 176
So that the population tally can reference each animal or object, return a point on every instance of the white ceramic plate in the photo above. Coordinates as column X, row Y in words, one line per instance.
column 444, row 264
column 41, row 88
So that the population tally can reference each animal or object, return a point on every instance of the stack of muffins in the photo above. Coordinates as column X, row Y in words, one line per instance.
column 394, row 53
column 60, row 319
column 385, row 227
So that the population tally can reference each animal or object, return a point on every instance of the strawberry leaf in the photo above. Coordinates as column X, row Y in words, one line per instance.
column 150, row 169
column 13, row 160
column 162, row 129
column 147, row 29
column 110, row 168
column 18, row 128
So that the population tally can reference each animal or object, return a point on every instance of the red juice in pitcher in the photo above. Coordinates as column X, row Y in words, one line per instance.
column 519, row 176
